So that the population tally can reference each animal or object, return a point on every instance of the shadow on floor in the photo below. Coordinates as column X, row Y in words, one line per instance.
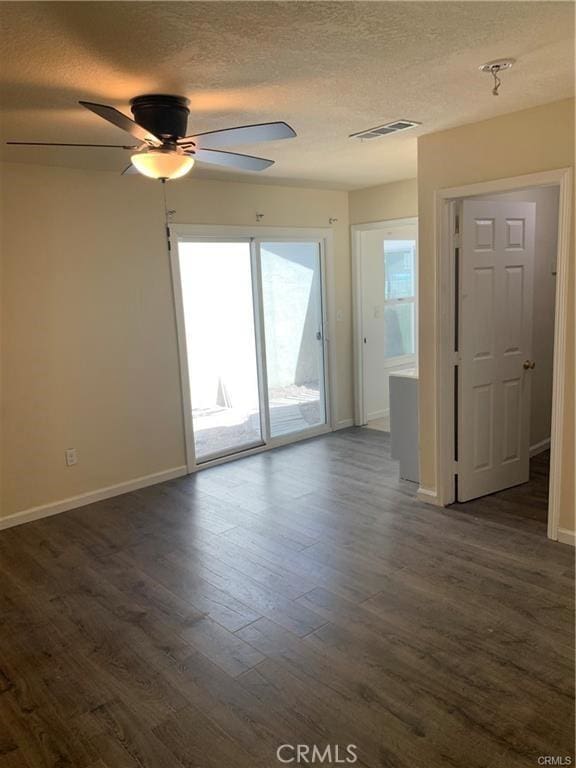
column 528, row 501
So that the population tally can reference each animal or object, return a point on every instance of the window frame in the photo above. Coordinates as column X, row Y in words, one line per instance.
column 410, row 359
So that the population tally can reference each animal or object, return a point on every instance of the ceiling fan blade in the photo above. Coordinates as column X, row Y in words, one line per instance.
column 245, row 134
column 129, row 170
column 232, row 160
column 59, row 144
column 115, row 117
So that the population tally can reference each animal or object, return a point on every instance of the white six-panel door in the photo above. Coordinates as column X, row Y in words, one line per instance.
column 495, row 345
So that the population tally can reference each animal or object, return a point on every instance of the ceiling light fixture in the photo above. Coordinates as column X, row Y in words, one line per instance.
column 494, row 68
column 164, row 151
column 162, row 163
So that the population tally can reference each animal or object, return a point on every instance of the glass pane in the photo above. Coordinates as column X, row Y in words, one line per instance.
column 219, row 319
column 399, row 329
column 399, row 259
column 292, row 295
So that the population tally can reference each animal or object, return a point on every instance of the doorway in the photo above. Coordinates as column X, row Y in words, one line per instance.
column 385, row 297
column 252, row 335
column 506, row 305
column 504, row 404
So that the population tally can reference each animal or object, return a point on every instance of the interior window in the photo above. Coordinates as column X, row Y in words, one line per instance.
column 399, row 297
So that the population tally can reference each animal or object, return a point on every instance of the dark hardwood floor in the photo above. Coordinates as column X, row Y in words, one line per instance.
column 300, row 596
column 528, row 501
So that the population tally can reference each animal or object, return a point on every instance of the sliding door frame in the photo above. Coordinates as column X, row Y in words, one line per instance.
column 255, row 235
column 260, row 333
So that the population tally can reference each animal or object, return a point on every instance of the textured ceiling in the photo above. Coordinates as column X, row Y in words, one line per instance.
column 329, row 69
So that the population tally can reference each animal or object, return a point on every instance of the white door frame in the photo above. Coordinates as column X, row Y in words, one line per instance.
column 357, row 320
column 254, row 233
column 444, row 205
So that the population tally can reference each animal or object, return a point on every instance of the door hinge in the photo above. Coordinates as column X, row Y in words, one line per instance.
column 168, row 238
column 456, row 240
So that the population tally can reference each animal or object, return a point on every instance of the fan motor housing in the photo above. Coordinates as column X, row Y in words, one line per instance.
column 162, row 115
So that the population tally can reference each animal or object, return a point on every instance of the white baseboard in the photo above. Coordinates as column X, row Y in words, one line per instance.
column 543, row 445
column 73, row 502
column 428, row 496
column 567, row 537
column 344, row 424
column 378, row 414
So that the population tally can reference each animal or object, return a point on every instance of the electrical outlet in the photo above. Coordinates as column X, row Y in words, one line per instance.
column 71, row 457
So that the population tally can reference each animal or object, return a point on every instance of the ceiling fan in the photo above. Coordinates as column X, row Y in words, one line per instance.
column 164, row 151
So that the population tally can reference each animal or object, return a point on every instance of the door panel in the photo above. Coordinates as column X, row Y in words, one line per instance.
column 483, row 308
column 513, row 321
column 294, row 335
column 483, row 426
column 216, row 280
column 495, row 337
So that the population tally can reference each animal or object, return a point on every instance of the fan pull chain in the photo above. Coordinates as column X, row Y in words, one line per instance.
column 166, row 221
column 168, row 212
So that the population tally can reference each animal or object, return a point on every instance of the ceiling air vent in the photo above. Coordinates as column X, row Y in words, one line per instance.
column 384, row 130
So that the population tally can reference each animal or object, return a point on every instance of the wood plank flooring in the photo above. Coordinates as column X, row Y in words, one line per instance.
column 300, row 596
column 528, row 501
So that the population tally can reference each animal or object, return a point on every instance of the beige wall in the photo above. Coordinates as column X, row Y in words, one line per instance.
column 90, row 356
column 398, row 200
column 537, row 139
column 89, row 346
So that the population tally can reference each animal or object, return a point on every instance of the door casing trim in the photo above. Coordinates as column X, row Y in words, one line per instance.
column 444, row 201
column 360, row 415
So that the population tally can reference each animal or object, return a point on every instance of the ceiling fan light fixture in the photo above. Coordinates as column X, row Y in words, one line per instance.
column 164, row 151
column 162, row 163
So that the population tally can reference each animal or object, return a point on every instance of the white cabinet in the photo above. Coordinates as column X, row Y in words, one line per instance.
column 404, row 422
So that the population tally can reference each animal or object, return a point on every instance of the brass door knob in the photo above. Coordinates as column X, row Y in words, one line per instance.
column 529, row 365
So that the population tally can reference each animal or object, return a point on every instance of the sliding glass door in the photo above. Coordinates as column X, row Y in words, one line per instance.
column 217, row 297
column 293, row 329
column 253, row 328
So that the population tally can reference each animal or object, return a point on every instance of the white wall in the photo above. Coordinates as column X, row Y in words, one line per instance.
column 88, row 329
column 546, row 242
